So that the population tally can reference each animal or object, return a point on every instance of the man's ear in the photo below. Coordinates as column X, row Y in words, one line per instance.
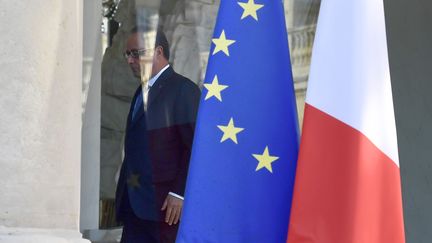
column 159, row 51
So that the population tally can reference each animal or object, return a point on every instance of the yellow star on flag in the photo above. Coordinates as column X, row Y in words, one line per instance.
column 133, row 181
column 215, row 89
column 265, row 160
column 230, row 131
column 222, row 43
column 250, row 9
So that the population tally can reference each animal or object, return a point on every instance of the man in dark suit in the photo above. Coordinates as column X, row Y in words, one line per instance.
column 159, row 134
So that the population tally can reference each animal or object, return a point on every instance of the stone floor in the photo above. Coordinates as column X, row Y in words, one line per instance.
column 104, row 236
column 28, row 235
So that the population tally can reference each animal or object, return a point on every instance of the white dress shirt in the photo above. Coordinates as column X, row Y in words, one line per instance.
column 150, row 83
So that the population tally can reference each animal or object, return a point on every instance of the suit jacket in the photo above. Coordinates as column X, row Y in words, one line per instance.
column 158, row 146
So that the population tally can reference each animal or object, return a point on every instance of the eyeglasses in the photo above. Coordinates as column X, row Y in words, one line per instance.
column 136, row 53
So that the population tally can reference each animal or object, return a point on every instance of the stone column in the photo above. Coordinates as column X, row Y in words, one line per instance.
column 289, row 13
column 40, row 125
column 91, row 115
column 409, row 44
column 301, row 17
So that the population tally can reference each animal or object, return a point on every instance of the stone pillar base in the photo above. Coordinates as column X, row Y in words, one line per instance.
column 28, row 235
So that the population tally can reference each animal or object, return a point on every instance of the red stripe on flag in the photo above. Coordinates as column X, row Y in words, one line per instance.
column 346, row 190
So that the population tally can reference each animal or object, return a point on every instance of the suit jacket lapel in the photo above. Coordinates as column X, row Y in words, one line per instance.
column 152, row 95
column 158, row 86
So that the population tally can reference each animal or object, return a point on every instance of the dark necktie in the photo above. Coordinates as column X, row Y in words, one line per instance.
column 138, row 104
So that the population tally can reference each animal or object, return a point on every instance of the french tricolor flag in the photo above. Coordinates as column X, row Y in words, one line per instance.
column 348, row 187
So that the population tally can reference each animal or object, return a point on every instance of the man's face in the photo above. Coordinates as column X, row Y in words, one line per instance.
column 135, row 45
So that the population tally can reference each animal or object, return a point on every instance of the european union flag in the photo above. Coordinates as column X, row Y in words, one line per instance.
column 244, row 157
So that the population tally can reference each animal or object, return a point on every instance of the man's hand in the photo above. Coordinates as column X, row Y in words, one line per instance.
column 173, row 207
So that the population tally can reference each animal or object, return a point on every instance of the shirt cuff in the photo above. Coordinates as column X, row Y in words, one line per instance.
column 176, row 195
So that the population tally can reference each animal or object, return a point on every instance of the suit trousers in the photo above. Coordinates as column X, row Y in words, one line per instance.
column 137, row 230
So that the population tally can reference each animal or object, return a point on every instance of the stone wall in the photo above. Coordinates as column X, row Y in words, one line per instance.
column 189, row 28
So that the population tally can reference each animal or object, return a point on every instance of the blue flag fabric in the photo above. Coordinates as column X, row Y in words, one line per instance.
column 243, row 161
